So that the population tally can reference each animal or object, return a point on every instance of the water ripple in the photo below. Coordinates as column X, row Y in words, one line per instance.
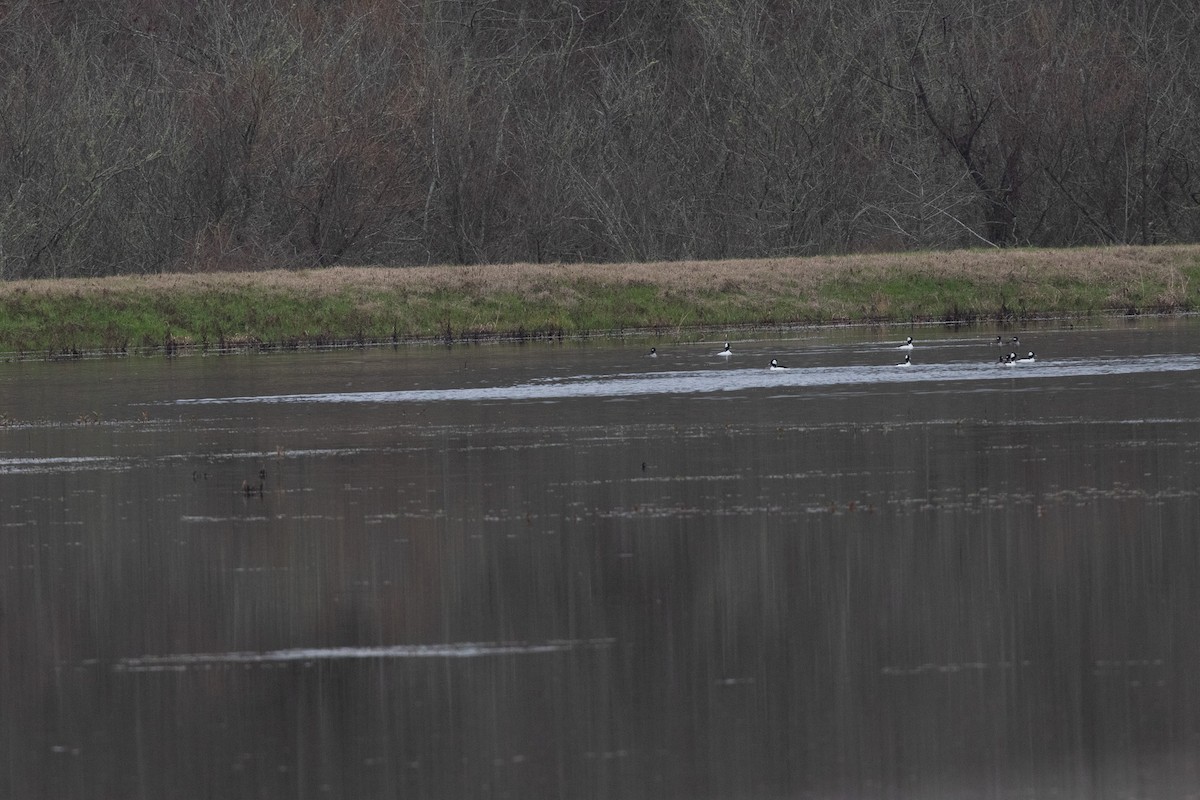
column 183, row 661
column 732, row 380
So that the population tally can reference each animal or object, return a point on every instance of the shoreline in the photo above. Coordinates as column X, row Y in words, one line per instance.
column 355, row 307
column 712, row 335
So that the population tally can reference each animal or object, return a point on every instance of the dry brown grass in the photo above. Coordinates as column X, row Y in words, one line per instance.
column 1117, row 266
column 386, row 303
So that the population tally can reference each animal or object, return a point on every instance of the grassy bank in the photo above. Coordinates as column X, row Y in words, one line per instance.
column 372, row 304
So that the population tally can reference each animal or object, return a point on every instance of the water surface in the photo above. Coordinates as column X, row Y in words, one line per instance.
column 575, row 571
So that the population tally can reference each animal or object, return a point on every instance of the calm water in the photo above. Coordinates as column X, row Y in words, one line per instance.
column 572, row 571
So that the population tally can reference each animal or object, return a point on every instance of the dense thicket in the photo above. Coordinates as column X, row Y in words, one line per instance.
column 143, row 136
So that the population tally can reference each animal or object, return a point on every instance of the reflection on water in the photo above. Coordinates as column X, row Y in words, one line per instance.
column 707, row 381
column 183, row 661
column 594, row 574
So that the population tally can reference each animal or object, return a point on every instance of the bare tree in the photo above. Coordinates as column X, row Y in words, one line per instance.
column 160, row 134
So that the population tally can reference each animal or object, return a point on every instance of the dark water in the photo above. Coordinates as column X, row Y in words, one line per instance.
column 574, row 571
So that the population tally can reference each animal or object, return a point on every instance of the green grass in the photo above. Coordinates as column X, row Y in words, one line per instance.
column 318, row 308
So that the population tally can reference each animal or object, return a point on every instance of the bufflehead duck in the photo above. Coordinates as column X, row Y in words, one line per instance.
column 1010, row 359
column 1027, row 359
column 653, row 352
column 776, row 365
column 726, row 351
column 999, row 342
column 908, row 344
column 1015, row 340
column 907, row 362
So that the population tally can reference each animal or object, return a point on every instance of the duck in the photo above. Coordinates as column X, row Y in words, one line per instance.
column 907, row 362
column 908, row 344
column 726, row 351
column 1015, row 340
column 776, row 365
column 653, row 352
column 999, row 342
column 1027, row 359
column 1010, row 359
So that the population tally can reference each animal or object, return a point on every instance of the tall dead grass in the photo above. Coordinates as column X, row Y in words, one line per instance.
column 1114, row 266
column 505, row 299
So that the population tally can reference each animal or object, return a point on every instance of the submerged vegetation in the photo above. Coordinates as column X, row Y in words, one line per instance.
column 343, row 305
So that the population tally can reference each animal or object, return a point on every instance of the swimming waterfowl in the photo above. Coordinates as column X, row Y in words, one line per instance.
column 653, row 352
column 776, row 365
column 726, row 351
column 908, row 344
column 907, row 362
column 1027, row 359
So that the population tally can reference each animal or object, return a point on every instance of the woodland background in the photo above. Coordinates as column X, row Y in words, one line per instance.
column 140, row 136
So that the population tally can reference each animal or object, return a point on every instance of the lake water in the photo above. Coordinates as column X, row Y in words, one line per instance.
column 572, row 571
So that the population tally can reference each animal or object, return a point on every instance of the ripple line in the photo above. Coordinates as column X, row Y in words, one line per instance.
column 182, row 661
